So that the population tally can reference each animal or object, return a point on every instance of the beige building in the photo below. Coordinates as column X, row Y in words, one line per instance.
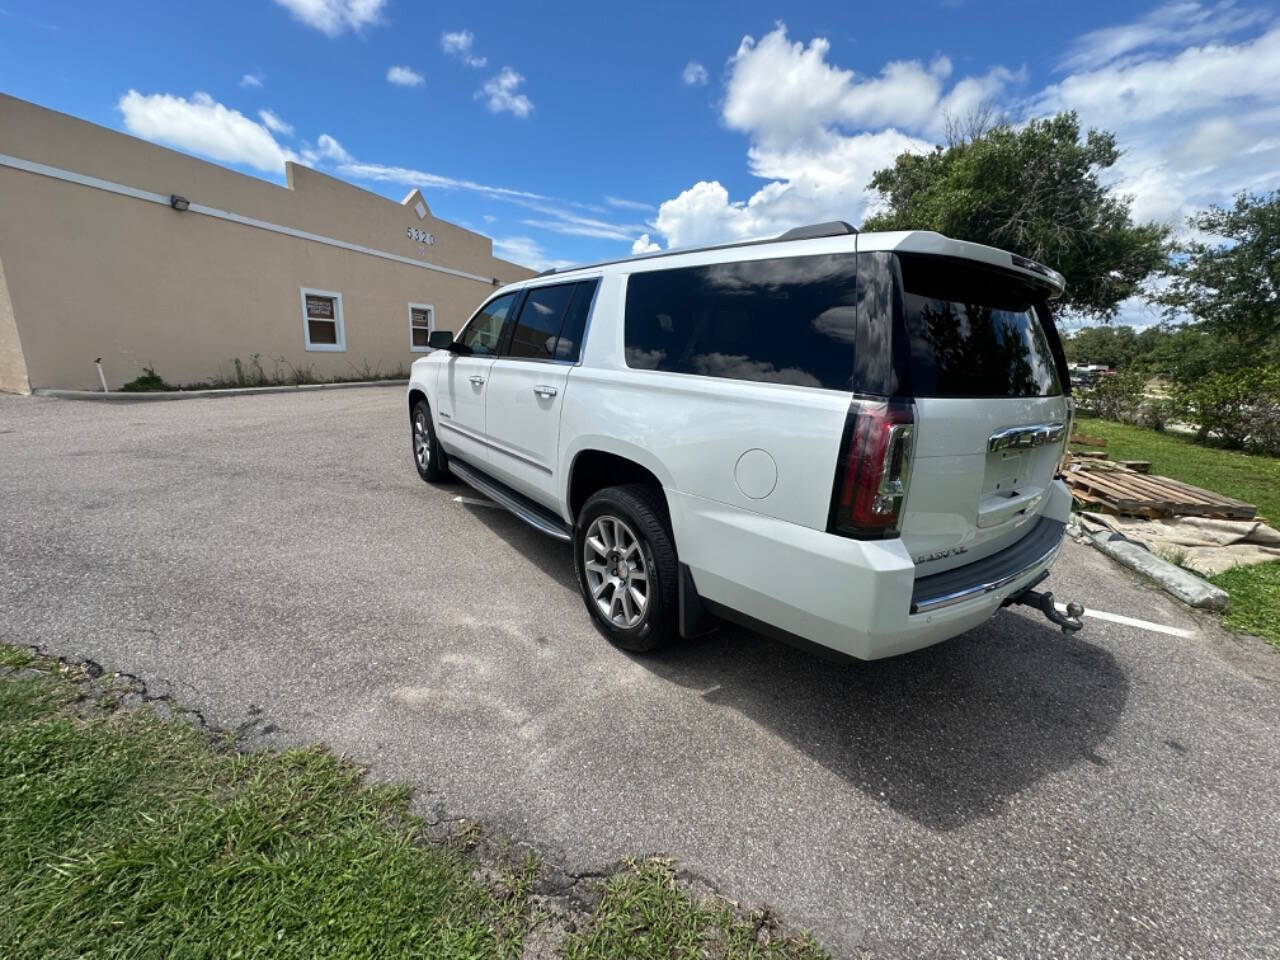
column 113, row 247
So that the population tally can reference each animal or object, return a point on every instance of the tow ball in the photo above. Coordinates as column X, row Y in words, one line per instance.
column 1043, row 602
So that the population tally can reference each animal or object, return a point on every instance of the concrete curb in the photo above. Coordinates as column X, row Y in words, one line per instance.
column 118, row 396
column 1171, row 578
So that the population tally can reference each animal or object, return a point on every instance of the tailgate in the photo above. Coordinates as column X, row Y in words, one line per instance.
column 991, row 415
column 980, row 474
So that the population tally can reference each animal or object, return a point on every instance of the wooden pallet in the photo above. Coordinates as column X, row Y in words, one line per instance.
column 1084, row 441
column 1123, row 491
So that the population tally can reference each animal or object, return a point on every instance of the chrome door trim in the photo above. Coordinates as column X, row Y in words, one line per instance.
column 475, row 438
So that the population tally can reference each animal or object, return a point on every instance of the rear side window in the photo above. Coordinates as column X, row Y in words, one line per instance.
column 973, row 332
column 789, row 320
column 552, row 322
column 538, row 327
column 569, row 346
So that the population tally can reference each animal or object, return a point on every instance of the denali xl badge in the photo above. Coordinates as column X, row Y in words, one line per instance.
column 941, row 554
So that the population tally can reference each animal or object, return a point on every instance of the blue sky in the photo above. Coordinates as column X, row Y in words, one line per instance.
column 576, row 131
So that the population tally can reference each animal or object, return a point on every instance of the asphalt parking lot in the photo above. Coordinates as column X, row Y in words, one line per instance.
column 275, row 562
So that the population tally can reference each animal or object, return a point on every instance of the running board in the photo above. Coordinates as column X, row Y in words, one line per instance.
column 531, row 513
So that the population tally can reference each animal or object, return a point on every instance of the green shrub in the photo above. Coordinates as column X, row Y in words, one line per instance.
column 1156, row 412
column 1238, row 408
column 1115, row 397
column 148, row 382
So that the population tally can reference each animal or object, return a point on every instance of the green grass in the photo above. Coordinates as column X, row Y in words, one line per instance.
column 1255, row 590
column 644, row 916
column 126, row 835
column 1245, row 476
column 1255, row 600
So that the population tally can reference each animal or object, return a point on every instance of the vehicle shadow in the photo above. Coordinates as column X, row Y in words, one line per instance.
column 944, row 736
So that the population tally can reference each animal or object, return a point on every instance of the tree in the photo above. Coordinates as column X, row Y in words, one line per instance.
column 1231, row 289
column 1034, row 191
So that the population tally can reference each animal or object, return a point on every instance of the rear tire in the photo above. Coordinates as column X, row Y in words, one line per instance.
column 427, row 456
column 627, row 567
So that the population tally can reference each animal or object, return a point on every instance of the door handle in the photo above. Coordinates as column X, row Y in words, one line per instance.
column 544, row 391
column 477, row 381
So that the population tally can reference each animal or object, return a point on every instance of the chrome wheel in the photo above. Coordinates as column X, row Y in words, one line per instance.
column 421, row 439
column 617, row 574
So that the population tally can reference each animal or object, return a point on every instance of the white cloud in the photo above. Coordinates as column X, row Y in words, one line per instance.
column 459, row 44
column 526, row 251
column 332, row 17
column 782, row 93
column 501, row 94
column 251, row 80
column 327, row 148
column 802, row 115
column 1170, row 25
column 1194, row 123
column 275, row 124
column 624, row 204
column 405, row 77
column 203, row 126
column 695, row 74
column 643, row 244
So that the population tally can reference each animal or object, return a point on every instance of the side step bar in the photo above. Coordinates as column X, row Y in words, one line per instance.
column 535, row 515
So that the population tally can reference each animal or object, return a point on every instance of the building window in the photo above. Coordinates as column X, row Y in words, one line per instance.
column 422, row 320
column 322, row 320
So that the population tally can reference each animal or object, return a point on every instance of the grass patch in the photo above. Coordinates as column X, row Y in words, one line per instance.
column 122, row 834
column 1252, row 477
column 126, row 835
column 1255, row 600
column 644, row 915
column 1255, row 590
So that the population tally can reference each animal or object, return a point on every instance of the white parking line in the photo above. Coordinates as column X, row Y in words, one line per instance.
column 473, row 501
column 1133, row 622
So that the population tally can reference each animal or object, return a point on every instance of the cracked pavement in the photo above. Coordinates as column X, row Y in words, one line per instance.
column 275, row 563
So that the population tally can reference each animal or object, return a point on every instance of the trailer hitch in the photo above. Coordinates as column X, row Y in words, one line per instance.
column 1070, row 622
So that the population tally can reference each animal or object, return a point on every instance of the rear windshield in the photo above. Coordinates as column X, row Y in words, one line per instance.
column 973, row 332
column 789, row 320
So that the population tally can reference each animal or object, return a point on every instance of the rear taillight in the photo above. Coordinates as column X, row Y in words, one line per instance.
column 874, row 467
column 1066, row 435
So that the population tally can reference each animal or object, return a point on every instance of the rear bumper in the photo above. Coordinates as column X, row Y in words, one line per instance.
column 1033, row 552
column 853, row 596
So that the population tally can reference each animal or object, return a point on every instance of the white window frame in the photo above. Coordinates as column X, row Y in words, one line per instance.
column 341, row 345
column 431, row 325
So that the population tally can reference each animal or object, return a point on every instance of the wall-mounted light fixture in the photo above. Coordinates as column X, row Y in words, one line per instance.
column 178, row 202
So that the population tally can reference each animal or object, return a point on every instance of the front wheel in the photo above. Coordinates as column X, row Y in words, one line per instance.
column 427, row 455
column 627, row 567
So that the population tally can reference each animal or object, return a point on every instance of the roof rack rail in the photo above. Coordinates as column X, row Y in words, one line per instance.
column 832, row 228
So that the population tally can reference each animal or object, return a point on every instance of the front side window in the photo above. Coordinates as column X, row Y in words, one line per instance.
column 421, row 323
column 484, row 332
column 973, row 332
column 322, row 320
column 789, row 320
column 538, row 327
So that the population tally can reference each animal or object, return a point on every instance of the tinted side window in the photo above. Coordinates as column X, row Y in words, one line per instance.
column 484, row 332
column 569, row 346
column 973, row 332
column 539, row 322
column 789, row 320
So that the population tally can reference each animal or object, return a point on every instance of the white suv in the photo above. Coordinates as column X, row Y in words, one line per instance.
column 841, row 438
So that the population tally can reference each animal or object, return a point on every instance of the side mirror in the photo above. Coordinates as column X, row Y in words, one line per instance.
column 440, row 339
